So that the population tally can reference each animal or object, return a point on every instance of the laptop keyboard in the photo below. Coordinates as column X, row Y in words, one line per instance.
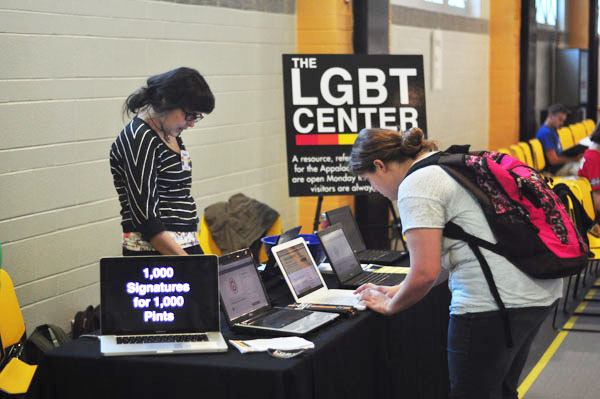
column 377, row 278
column 374, row 255
column 277, row 318
column 152, row 339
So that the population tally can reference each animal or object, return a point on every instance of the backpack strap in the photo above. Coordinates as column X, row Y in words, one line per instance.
column 434, row 159
column 452, row 230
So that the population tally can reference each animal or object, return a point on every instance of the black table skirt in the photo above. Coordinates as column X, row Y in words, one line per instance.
column 368, row 356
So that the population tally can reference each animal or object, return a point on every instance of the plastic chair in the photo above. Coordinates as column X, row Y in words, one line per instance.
column 209, row 246
column 539, row 158
column 527, row 152
column 16, row 375
column 579, row 131
column 517, row 152
column 566, row 137
column 504, row 150
column 589, row 126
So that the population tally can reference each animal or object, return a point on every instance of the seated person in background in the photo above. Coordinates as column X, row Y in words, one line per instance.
column 590, row 169
column 548, row 136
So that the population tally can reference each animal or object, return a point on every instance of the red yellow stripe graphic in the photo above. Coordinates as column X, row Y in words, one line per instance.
column 326, row 139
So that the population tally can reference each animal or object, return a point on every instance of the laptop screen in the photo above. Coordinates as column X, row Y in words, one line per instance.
column 240, row 286
column 340, row 254
column 159, row 294
column 301, row 271
column 343, row 215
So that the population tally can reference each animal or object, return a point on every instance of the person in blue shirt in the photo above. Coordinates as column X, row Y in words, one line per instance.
column 547, row 134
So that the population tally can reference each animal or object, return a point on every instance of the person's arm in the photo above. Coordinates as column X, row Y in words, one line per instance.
column 166, row 245
column 554, row 159
column 425, row 247
column 596, row 200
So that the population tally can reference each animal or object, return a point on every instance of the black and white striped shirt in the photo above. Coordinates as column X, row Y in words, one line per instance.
column 153, row 187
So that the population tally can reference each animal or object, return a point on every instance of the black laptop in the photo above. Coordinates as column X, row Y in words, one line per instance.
column 343, row 215
column 344, row 263
column 247, row 307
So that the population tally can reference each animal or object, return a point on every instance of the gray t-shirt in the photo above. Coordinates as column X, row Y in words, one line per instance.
column 428, row 198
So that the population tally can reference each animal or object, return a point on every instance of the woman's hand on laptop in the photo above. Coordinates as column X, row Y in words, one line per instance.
column 389, row 291
column 375, row 299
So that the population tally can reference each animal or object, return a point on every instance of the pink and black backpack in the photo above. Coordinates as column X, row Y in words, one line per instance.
column 532, row 228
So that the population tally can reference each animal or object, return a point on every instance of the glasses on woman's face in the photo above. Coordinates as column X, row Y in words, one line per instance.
column 193, row 116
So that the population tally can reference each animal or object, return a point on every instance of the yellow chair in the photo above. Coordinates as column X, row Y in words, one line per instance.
column 527, row 152
column 579, row 131
column 504, row 150
column 16, row 376
column 209, row 246
column 517, row 152
column 566, row 137
column 589, row 126
column 539, row 158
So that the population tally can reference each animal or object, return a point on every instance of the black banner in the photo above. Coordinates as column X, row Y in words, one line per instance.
column 329, row 99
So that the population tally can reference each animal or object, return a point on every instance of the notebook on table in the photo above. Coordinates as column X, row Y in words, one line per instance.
column 343, row 215
column 153, row 305
column 247, row 307
column 304, row 279
column 344, row 263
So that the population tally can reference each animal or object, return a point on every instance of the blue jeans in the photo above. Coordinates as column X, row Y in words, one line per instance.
column 480, row 364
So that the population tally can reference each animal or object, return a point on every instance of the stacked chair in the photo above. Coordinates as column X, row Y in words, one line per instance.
column 532, row 154
column 15, row 375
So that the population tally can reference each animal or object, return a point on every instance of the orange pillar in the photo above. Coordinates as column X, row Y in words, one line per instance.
column 505, row 25
column 578, row 13
column 323, row 27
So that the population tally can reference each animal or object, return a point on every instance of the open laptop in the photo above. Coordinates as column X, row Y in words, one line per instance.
column 304, row 279
column 344, row 263
column 270, row 266
column 343, row 215
column 153, row 305
column 246, row 304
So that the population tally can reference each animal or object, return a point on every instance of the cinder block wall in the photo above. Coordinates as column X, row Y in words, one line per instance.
column 457, row 113
column 67, row 68
column 505, row 25
column 324, row 27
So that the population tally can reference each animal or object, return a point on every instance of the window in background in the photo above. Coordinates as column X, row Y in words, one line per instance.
column 457, row 3
column 465, row 8
column 452, row 3
column 546, row 12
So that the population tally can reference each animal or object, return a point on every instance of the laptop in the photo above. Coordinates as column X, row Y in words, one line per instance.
column 154, row 305
column 270, row 268
column 343, row 215
column 344, row 263
column 304, row 279
column 247, row 307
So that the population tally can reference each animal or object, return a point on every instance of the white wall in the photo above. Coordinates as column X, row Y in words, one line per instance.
column 66, row 69
column 459, row 112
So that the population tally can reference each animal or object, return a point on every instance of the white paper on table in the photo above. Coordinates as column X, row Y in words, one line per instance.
column 261, row 345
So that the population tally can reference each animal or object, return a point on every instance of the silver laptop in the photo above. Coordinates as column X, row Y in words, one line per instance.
column 344, row 263
column 304, row 279
column 153, row 305
column 246, row 304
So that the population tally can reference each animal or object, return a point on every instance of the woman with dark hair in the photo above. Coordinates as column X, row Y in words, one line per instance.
column 479, row 361
column 590, row 169
column 151, row 168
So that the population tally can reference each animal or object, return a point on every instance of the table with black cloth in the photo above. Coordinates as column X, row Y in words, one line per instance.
column 403, row 356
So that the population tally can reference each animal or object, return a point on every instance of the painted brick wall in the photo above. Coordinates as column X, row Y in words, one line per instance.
column 67, row 68
column 324, row 27
column 505, row 23
column 458, row 113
